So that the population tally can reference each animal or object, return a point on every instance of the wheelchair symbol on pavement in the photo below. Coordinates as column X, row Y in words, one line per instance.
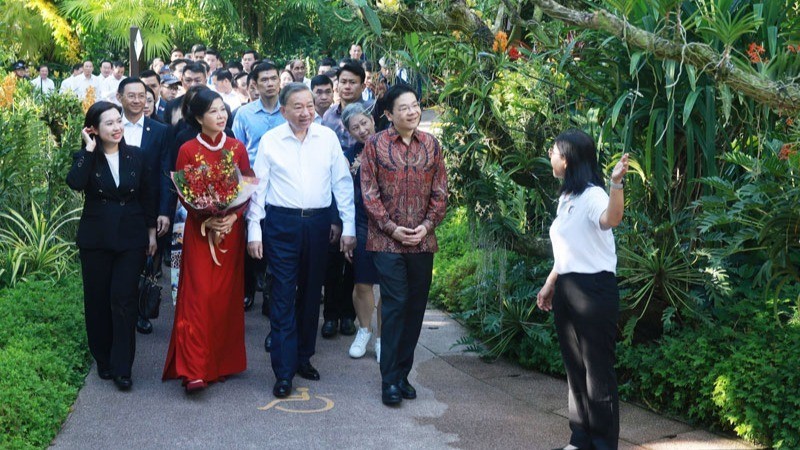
column 301, row 396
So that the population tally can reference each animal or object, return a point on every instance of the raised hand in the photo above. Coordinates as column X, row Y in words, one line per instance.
column 620, row 170
column 88, row 139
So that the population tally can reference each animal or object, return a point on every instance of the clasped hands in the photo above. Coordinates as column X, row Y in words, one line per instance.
column 410, row 237
column 222, row 225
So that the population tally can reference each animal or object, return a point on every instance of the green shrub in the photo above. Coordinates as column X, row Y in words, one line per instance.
column 742, row 377
column 44, row 359
column 456, row 262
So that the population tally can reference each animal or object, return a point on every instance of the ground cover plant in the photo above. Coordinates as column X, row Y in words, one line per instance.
column 44, row 359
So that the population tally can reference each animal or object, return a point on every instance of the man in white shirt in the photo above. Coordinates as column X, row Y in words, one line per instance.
column 300, row 164
column 109, row 85
column 87, row 80
column 68, row 85
column 212, row 59
column 42, row 83
column 106, row 69
column 223, row 83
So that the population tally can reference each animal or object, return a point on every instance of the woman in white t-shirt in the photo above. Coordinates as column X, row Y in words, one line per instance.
column 582, row 287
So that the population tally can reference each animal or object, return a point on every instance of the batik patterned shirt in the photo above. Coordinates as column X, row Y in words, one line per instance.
column 403, row 185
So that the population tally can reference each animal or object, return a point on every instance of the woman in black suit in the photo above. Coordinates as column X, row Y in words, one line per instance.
column 116, row 230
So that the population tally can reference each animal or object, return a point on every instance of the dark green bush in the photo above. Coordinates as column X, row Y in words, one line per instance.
column 44, row 359
column 741, row 377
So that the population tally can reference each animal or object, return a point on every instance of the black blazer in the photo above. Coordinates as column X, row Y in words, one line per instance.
column 156, row 146
column 114, row 218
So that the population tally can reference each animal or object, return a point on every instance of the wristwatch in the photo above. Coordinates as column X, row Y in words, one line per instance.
column 619, row 186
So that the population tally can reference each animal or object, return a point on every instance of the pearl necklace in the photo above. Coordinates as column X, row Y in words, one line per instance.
column 209, row 146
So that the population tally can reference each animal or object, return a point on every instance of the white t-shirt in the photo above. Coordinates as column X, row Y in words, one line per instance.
column 579, row 244
column 113, row 164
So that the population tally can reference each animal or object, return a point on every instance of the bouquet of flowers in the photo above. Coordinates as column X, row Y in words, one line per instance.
column 213, row 190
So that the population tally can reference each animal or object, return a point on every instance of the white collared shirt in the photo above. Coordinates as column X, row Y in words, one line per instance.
column 133, row 131
column 82, row 84
column 45, row 85
column 108, row 89
column 231, row 99
column 301, row 175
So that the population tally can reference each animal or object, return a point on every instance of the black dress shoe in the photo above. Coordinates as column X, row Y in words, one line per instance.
column 144, row 326
column 329, row 328
column 347, row 327
column 248, row 302
column 390, row 394
column 123, row 383
column 307, row 371
column 406, row 389
column 104, row 373
column 268, row 343
column 282, row 388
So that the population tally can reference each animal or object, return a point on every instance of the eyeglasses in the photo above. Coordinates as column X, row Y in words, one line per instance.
column 131, row 96
column 550, row 153
column 406, row 108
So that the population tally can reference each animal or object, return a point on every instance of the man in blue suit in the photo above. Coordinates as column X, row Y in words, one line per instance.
column 152, row 138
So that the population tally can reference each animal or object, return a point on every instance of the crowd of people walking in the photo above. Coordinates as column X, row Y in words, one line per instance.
column 348, row 194
column 306, row 142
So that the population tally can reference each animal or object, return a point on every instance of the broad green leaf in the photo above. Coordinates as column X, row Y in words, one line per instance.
column 691, row 73
column 772, row 40
column 372, row 19
column 617, row 108
column 635, row 62
column 689, row 105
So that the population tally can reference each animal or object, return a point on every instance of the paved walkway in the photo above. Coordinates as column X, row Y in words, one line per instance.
column 463, row 403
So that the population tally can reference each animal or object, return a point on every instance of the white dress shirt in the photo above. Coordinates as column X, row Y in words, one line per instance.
column 82, row 84
column 301, row 175
column 108, row 89
column 133, row 131
column 45, row 85
column 231, row 99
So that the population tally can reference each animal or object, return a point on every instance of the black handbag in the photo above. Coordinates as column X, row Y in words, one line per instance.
column 149, row 292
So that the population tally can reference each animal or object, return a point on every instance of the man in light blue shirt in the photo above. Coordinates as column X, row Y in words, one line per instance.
column 256, row 118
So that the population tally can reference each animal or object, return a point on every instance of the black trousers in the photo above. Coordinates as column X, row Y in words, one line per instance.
column 110, row 293
column 586, row 310
column 405, row 280
column 338, row 298
column 296, row 248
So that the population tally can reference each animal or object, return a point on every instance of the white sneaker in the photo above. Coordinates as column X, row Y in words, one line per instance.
column 378, row 349
column 359, row 346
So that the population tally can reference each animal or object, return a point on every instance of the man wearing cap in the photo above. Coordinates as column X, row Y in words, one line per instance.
column 20, row 70
column 42, row 83
column 169, row 88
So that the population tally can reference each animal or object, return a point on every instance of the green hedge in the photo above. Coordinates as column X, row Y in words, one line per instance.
column 743, row 377
column 44, row 359
column 739, row 374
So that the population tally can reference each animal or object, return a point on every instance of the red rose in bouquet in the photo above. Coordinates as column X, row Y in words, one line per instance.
column 213, row 190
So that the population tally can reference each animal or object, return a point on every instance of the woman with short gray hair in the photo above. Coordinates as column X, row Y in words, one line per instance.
column 358, row 121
